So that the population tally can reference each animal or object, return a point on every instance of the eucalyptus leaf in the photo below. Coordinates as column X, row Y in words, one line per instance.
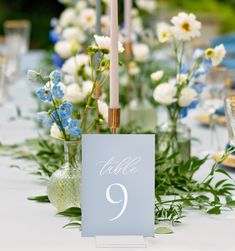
column 42, row 198
column 163, row 230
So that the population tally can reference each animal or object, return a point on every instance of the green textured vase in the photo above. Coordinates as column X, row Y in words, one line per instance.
column 64, row 187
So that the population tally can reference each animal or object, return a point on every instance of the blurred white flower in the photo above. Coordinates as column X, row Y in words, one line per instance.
column 80, row 5
column 87, row 18
column 74, row 64
column 181, row 78
column 137, row 24
column 163, row 32
column 185, row 26
column 156, row 76
column 64, row 48
column 141, row 52
column 133, row 69
column 105, row 24
column 103, row 109
column 149, row 5
column 218, row 55
column 87, row 87
column 164, row 94
column 197, row 54
column 187, row 96
column 55, row 132
column 104, row 42
column 71, row 33
column 68, row 17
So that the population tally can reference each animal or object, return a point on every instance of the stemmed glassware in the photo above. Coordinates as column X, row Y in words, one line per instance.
column 212, row 99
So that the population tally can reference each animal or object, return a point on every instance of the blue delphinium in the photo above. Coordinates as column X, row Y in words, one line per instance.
column 60, row 121
column 55, row 77
column 57, row 60
column 65, row 110
column 44, row 94
column 53, row 36
column 44, row 119
column 57, row 92
column 73, row 128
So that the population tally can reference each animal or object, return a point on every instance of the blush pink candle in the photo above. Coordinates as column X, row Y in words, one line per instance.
column 114, row 71
column 127, row 19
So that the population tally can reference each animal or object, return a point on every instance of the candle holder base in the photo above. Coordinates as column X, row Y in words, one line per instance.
column 114, row 119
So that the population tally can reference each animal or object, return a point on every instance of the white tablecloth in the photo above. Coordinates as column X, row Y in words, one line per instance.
column 29, row 226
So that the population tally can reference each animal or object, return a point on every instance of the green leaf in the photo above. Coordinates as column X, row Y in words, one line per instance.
column 163, row 230
column 42, row 198
column 71, row 212
column 72, row 225
column 214, row 210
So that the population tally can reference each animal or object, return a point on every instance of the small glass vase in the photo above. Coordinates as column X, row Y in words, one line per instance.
column 64, row 187
column 174, row 138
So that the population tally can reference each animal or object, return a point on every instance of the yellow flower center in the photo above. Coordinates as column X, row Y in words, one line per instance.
column 164, row 35
column 89, row 19
column 209, row 53
column 186, row 26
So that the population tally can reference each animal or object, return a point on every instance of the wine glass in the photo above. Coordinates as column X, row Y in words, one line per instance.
column 212, row 99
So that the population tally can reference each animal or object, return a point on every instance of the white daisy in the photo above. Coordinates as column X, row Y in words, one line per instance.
column 103, row 109
column 63, row 48
column 68, row 17
column 104, row 42
column 141, row 52
column 71, row 33
column 156, row 76
column 163, row 32
column 185, row 26
column 87, row 18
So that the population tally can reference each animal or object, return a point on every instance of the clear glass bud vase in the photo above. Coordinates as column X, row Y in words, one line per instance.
column 175, row 139
column 64, row 186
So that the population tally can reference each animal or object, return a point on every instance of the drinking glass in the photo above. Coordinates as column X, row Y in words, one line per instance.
column 2, row 79
column 212, row 99
column 17, row 33
column 229, row 105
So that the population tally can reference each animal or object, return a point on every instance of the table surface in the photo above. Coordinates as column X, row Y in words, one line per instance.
column 29, row 226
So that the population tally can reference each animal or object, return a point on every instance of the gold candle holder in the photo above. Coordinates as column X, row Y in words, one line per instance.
column 128, row 48
column 114, row 119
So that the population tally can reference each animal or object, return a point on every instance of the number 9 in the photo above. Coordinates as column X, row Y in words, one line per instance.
column 125, row 197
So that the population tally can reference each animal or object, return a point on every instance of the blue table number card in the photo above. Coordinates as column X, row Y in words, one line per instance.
column 118, row 174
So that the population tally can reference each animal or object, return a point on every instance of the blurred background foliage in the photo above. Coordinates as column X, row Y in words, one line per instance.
column 41, row 12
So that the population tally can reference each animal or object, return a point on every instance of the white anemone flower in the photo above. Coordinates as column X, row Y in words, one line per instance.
column 185, row 26
column 80, row 5
column 87, row 18
column 105, row 24
column 219, row 54
column 141, row 52
column 149, row 5
column 68, row 17
column 73, row 33
column 64, row 48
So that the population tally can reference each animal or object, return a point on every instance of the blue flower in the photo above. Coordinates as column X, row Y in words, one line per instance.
column 61, row 122
column 183, row 112
column 53, row 36
column 207, row 64
column 66, row 110
column 55, row 76
column 184, row 69
column 198, row 87
column 199, row 72
column 44, row 94
column 44, row 119
column 73, row 128
column 57, row 60
column 57, row 92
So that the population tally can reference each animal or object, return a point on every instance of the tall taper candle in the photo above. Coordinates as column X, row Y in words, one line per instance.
column 127, row 19
column 114, row 72
column 98, row 17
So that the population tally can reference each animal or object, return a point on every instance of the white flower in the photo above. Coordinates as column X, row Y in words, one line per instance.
column 105, row 24
column 137, row 24
column 80, row 5
column 68, row 17
column 164, row 94
column 181, row 78
column 73, row 33
column 133, row 69
column 185, row 26
column 87, row 87
column 163, row 32
column 104, row 42
column 219, row 54
column 103, row 109
column 74, row 64
column 55, row 132
column 33, row 75
column 156, row 76
column 149, row 5
column 198, row 53
column 87, row 18
column 64, row 48
column 141, row 52
column 187, row 96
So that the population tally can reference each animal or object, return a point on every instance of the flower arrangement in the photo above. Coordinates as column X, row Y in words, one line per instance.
column 70, row 92
column 179, row 93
